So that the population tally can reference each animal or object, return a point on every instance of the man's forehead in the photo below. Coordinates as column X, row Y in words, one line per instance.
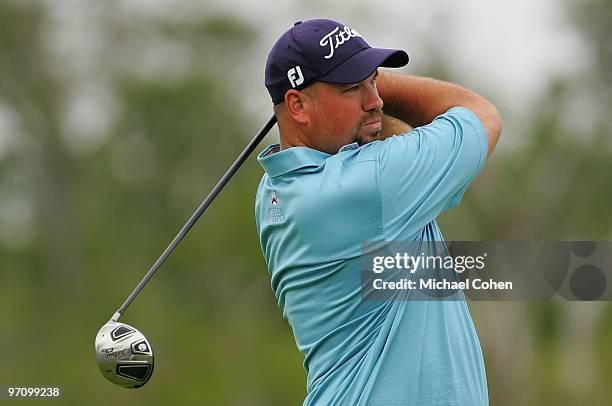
column 340, row 85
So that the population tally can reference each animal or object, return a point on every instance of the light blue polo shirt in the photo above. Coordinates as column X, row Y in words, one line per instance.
column 315, row 210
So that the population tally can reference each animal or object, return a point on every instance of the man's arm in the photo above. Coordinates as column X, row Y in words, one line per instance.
column 418, row 100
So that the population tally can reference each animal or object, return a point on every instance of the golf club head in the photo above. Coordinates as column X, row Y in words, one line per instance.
column 124, row 355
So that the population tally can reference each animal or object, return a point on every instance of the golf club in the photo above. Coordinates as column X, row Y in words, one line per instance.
column 124, row 355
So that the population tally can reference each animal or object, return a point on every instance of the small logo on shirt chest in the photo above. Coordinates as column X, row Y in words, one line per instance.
column 275, row 214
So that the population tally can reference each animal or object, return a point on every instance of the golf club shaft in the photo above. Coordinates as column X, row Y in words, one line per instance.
column 195, row 216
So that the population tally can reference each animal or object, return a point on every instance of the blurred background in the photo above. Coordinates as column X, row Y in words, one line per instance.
column 118, row 117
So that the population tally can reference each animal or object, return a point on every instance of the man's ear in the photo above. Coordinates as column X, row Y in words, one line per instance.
column 297, row 105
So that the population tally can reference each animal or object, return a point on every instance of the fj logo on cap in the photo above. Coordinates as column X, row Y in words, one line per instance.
column 334, row 41
column 295, row 76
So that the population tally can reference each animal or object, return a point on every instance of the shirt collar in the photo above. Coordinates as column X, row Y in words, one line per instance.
column 349, row 147
column 277, row 162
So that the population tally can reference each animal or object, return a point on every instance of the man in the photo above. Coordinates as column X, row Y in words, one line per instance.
column 339, row 179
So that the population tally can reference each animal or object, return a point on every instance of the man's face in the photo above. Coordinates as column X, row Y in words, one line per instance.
column 343, row 114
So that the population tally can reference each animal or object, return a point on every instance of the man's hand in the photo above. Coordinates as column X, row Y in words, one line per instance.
column 392, row 126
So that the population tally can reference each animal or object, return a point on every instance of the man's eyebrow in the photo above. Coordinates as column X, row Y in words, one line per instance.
column 349, row 85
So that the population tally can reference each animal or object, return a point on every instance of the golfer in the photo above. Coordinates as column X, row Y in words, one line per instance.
column 345, row 173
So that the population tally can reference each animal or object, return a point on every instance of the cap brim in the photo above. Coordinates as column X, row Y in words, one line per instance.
column 361, row 65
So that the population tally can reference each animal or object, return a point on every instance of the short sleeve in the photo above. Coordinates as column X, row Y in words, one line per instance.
column 426, row 171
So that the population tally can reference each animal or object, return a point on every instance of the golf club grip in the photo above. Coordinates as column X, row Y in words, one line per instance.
column 196, row 215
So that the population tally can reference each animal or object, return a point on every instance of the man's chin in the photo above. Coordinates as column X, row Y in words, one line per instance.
column 367, row 138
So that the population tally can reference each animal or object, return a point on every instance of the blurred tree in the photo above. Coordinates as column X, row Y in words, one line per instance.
column 556, row 186
column 101, row 216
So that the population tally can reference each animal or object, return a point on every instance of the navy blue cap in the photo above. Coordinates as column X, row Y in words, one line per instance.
column 326, row 51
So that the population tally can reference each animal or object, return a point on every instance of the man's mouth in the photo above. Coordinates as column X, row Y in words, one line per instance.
column 373, row 126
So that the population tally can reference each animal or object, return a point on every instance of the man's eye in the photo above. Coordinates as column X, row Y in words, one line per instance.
column 352, row 88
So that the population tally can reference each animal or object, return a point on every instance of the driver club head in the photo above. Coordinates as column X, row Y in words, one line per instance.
column 124, row 355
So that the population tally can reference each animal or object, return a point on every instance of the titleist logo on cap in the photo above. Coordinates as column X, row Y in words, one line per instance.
column 337, row 40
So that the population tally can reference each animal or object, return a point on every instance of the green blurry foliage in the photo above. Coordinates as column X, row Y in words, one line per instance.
column 101, row 217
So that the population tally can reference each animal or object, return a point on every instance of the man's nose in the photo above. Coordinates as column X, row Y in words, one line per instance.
column 372, row 100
